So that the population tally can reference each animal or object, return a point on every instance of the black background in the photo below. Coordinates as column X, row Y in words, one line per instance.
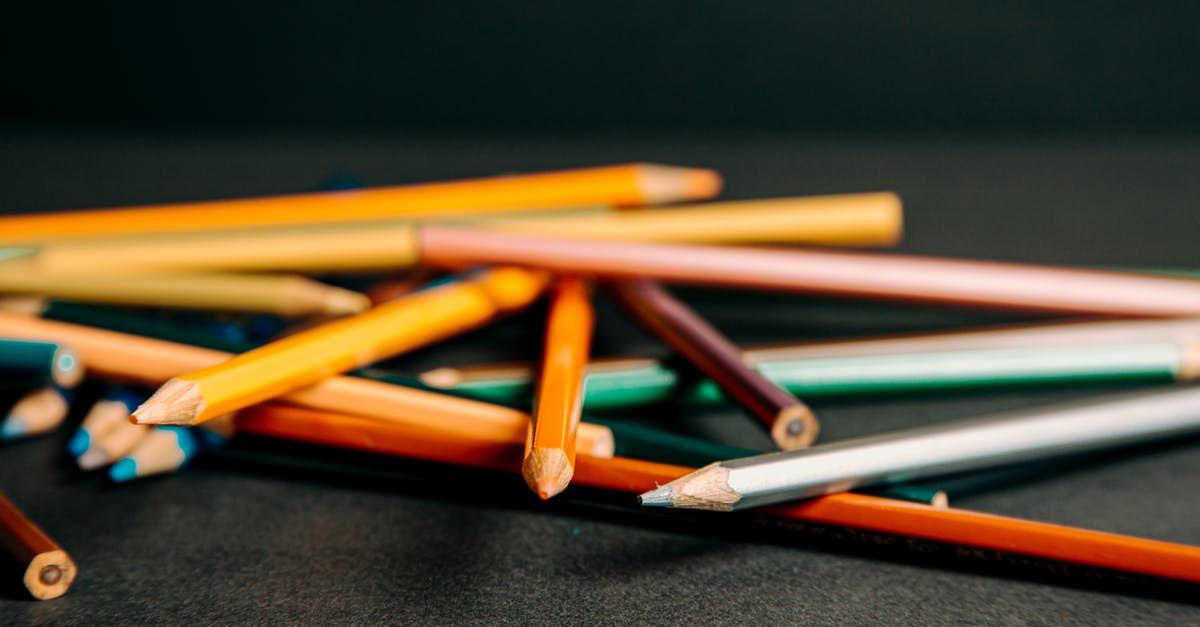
column 1034, row 131
column 547, row 66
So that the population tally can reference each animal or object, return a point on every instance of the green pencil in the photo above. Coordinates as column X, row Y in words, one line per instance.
column 628, row 383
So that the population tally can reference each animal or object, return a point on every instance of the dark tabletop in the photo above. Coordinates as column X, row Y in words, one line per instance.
column 273, row 533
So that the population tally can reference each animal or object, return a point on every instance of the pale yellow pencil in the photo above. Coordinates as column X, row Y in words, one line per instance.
column 285, row 295
column 872, row 219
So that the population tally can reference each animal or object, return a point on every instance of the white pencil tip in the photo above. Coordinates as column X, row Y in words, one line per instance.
column 660, row 496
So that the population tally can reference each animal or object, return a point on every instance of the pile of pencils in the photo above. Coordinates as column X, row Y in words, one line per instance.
column 201, row 322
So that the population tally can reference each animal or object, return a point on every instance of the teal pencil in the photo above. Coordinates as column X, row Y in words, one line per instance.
column 639, row 382
column 27, row 364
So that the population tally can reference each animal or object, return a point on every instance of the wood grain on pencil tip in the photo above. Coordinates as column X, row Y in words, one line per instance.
column 47, row 569
column 792, row 424
column 630, row 184
column 550, row 452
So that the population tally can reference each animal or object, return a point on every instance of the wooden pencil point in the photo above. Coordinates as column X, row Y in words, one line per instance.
column 795, row 427
column 660, row 183
column 548, row 471
column 177, row 402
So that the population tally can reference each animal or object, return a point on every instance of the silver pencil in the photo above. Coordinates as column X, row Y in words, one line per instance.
column 939, row 449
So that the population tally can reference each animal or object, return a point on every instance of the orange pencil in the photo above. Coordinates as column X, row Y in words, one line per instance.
column 550, row 450
column 147, row 361
column 950, row 525
column 632, row 184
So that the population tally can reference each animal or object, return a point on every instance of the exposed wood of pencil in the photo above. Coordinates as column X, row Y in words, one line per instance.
column 48, row 570
column 940, row 524
column 305, row 358
column 853, row 219
column 146, row 361
column 633, row 184
column 285, row 295
column 791, row 423
column 550, row 452
column 864, row 275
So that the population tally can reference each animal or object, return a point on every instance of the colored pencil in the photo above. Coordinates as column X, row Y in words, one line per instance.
column 166, row 449
column 218, row 335
column 550, row 451
column 307, row 357
column 618, row 384
column 872, row 219
column 147, row 361
column 854, row 219
column 939, row 449
column 40, row 411
column 633, row 184
column 46, row 570
column 791, row 423
column 33, row 363
column 106, row 434
column 283, row 295
column 865, row 275
column 860, row 511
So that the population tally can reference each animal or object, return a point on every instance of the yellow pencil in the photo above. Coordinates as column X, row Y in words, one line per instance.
column 550, row 451
column 284, row 295
column 852, row 219
column 308, row 357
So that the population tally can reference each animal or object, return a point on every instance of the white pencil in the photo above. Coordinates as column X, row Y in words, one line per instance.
column 939, row 449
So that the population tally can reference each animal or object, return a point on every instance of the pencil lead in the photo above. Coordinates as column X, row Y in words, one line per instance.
column 124, row 470
column 547, row 471
column 12, row 428
column 79, row 443
column 658, row 497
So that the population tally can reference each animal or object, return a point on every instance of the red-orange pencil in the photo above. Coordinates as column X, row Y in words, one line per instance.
column 791, row 422
column 865, row 275
column 550, row 450
column 949, row 525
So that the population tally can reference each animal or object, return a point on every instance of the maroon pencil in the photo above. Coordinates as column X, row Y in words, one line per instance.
column 868, row 275
column 791, row 422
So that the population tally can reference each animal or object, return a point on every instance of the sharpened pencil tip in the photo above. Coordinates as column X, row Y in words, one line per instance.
column 12, row 428
column 660, row 496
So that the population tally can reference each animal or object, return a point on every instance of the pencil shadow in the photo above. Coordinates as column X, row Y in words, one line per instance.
column 478, row 488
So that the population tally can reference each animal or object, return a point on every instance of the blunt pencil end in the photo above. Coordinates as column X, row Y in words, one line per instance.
column 794, row 428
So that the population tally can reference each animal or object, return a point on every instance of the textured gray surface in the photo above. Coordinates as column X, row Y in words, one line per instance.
column 270, row 534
